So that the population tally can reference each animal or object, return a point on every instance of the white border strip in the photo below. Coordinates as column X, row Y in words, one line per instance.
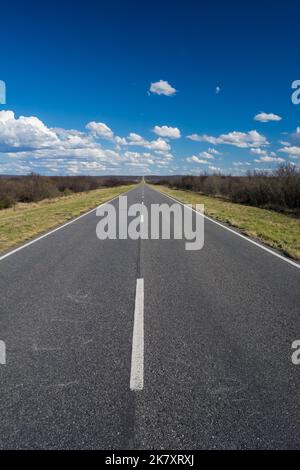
column 60, row 227
column 287, row 260
column 137, row 355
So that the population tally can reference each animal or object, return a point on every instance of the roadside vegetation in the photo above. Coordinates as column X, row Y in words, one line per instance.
column 26, row 220
column 280, row 228
column 34, row 187
column 279, row 191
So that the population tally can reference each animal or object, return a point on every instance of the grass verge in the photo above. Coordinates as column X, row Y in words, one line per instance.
column 28, row 220
column 279, row 231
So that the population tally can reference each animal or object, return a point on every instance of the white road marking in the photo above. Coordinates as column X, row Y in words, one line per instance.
column 2, row 353
column 287, row 260
column 59, row 228
column 137, row 355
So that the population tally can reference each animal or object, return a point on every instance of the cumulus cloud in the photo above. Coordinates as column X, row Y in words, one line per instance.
column 235, row 138
column 27, row 144
column 136, row 139
column 292, row 151
column 24, row 132
column 269, row 159
column 195, row 159
column 284, row 142
column 266, row 117
column 156, row 145
column 99, row 129
column 241, row 163
column 138, row 157
column 159, row 145
column 206, row 155
column 29, row 135
column 162, row 87
column 120, row 140
column 166, row 131
column 265, row 156
column 258, row 151
column 214, row 151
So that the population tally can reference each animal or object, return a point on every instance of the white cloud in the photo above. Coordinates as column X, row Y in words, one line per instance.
column 24, row 132
column 206, row 155
column 120, row 140
column 146, row 159
column 14, row 168
column 214, row 151
column 241, row 163
column 269, row 159
column 99, row 129
column 136, row 138
column 200, row 138
column 258, row 151
column 235, row 138
column 138, row 157
column 156, row 145
column 218, row 89
column 265, row 156
column 195, row 159
column 292, row 151
column 166, row 131
column 266, row 117
column 162, row 87
column 214, row 168
column 284, row 142
column 31, row 144
column 27, row 144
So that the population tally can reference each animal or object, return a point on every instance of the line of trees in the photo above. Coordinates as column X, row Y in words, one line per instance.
column 34, row 187
column 278, row 191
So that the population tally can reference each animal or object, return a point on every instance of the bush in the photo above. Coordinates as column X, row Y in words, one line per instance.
column 278, row 191
column 34, row 187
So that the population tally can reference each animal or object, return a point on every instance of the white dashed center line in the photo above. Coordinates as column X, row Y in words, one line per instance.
column 137, row 355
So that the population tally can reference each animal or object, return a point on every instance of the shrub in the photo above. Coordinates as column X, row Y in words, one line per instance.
column 278, row 191
column 34, row 187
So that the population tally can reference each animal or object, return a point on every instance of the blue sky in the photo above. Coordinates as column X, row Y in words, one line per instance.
column 79, row 74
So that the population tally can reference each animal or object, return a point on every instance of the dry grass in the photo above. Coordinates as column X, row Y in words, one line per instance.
column 28, row 220
column 277, row 230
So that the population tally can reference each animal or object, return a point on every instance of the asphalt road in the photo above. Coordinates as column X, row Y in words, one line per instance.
column 218, row 329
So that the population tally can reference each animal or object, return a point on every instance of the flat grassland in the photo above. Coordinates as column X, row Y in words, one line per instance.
column 279, row 231
column 27, row 220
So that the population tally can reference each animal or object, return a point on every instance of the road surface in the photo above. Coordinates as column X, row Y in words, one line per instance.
column 208, row 366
